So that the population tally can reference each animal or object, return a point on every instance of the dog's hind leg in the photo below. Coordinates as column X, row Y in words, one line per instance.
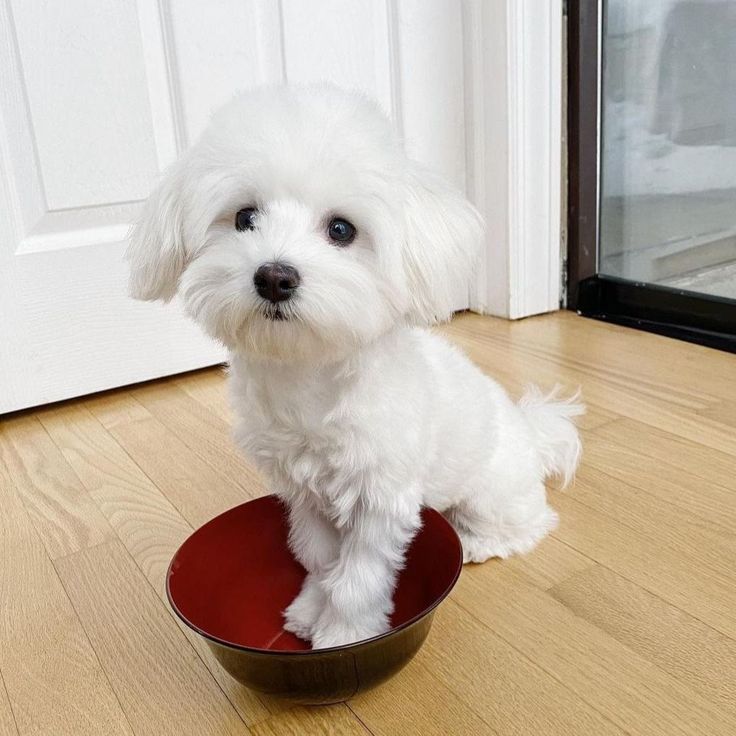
column 507, row 513
column 491, row 527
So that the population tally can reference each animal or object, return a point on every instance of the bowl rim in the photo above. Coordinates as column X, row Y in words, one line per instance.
column 309, row 652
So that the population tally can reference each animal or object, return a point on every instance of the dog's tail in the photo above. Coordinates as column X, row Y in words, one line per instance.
column 551, row 419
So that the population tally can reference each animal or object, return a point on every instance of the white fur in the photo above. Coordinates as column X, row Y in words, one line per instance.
column 355, row 415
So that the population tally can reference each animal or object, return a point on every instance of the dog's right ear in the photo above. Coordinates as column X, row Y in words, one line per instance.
column 156, row 252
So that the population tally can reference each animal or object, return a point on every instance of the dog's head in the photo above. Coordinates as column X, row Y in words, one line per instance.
column 296, row 226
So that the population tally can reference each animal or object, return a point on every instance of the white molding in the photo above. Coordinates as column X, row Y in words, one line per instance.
column 269, row 27
column 393, row 51
column 79, row 227
column 513, row 108
column 484, row 44
column 164, row 87
column 19, row 162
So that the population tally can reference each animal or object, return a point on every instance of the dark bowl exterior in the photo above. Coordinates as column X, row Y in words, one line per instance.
column 325, row 676
column 232, row 578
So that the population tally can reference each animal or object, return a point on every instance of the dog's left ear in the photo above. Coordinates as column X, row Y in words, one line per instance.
column 442, row 242
column 156, row 252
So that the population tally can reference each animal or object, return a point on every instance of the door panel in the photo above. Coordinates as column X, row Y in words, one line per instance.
column 96, row 99
column 85, row 88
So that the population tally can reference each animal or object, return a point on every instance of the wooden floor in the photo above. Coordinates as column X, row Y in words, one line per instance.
column 624, row 621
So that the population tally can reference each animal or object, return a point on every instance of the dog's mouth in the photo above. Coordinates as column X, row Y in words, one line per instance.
column 275, row 314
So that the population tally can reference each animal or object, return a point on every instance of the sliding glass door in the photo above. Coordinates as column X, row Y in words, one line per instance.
column 665, row 157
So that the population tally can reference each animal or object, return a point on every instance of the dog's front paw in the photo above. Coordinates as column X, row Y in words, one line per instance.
column 334, row 632
column 301, row 615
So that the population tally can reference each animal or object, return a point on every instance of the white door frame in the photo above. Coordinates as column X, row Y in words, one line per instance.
column 514, row 112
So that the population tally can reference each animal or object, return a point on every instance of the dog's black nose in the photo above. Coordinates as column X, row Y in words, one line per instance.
column 276, row 281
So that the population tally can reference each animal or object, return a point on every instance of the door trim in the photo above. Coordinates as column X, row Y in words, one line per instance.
column 514, row 143
column 583, row 73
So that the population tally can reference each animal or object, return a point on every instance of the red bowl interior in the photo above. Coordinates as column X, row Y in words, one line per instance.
column 233, row 577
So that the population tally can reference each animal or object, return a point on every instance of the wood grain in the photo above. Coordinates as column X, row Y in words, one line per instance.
column 333, row 720
column 64, row 515
column 209, row 389
column 142, row 517
column 721, row 411
column 417, row 703
column 501, row 364
column 551, row 562
column 708, row 503
column 161, row 683
column 202, row 431
column 679, row 644
column 150, row 528
column 665, row 524
column 672, row 409
column 673, row 458
column 50, row 671
column 513, row 695
column 686, row 583
column 193, row 486
column 566, row 368
column 620, row 684
column 8, row 726
column 615, row 352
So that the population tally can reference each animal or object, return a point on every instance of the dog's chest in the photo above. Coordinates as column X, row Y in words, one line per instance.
column 301, row 440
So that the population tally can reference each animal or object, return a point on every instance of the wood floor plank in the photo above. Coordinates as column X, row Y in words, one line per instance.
column 685, row 359
column 673, row 456
column 679, row 644
column 142, row 517
column 702, row 544
column 723, row 412
column 593, row 418
column 145, row 521
column 650, row 403
column 64, row 515
column 708, row 503
column 8, row 726
column 672, row 575
column 417, row 703
column 52, row 677
column 582, row 363
column 620, row 684
column 160, row 681
column 516, row 381
column 335, row 720
column 514, row 696
column 616, row 352
column 193, row 486
column 551, row 562
column 208, row 387
column 202, row 431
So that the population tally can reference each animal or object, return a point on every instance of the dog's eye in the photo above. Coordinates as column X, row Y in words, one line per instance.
column 246, row 218
column 341, row 231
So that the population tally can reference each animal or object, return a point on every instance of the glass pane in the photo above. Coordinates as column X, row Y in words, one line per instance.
column 668, row 166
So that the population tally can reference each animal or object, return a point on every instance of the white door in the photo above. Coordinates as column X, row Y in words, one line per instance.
column 97, row 97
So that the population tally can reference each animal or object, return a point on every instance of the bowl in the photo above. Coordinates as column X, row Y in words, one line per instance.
column 231, row 580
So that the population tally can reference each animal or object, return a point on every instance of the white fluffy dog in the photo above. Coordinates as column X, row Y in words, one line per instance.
column 299, row 234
